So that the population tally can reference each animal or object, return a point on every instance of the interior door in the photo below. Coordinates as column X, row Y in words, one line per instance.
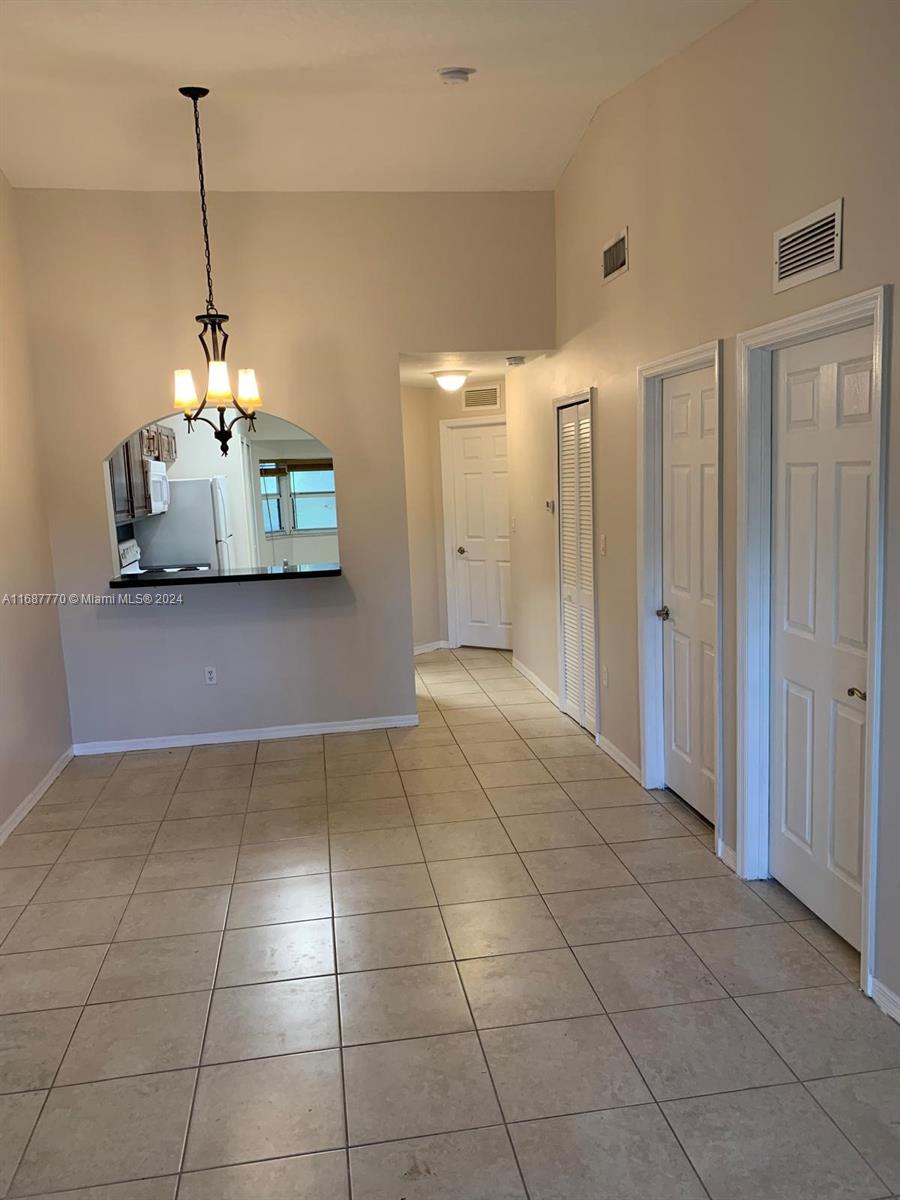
column 481, row 545
column 578, row 649
column 690, row 455
column 823, row 514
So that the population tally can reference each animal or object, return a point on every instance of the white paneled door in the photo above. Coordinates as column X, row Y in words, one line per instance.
column 690, row 557
column 480, row 549
column 578, row 649
column 823, row 514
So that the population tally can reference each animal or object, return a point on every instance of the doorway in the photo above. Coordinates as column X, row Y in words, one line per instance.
column 475, row 483
column 679, row 577
column 578, row 658
column 810, row 547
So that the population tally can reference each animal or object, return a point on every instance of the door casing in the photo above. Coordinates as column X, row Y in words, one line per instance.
column 754, row 547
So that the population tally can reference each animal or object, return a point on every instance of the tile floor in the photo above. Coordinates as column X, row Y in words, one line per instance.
column 467, row 961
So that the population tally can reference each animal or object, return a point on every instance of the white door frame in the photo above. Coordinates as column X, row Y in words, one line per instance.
column 588, row 396
column 754, row 501
column 649, row 567
column 448, row 497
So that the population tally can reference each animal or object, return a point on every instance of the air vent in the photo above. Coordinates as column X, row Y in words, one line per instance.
column 615, row 256
column 486, row 397
column 809, row 248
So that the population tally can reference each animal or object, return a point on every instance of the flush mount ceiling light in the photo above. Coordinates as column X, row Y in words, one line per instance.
column 455, row 75
column 213, row 338
column 450, row 381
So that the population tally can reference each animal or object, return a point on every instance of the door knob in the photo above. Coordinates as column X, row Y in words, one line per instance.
column 460, row 549
column 663, row 613
column 857, row 692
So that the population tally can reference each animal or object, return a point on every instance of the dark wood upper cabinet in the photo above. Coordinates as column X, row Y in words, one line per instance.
column 120, row 483
column 128, row 471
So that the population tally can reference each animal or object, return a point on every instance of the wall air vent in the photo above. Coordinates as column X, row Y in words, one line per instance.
column 808, row 248
column 481, row 398
column 615, row 256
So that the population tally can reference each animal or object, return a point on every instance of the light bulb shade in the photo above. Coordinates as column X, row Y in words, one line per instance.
column 248, row 389
column 185, row 392
column 218, row 391
column 450, row 381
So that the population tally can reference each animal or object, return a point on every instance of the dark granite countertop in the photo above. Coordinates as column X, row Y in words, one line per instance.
column 189, row 577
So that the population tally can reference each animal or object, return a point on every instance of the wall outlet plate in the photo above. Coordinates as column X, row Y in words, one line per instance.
column 210, row 676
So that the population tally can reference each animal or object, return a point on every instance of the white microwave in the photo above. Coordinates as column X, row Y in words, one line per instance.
column 157, row 485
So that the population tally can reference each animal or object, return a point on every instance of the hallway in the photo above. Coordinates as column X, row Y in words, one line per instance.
column 476, row 952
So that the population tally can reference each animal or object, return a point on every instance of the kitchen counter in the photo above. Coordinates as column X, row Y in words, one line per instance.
column 187, row 578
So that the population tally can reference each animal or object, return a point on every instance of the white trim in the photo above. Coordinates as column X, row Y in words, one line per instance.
column 887, row 1001
column 427, row 647
column 448, row 500
column 727, row 855
column 21, row 811
column 245, row 735
column 754, row 378
column 538, row 683
column 618, row 756
column 649, row 565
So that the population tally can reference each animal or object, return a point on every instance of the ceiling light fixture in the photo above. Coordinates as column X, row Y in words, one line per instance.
column 455, row 75
column 213, row 338
column 450, row 381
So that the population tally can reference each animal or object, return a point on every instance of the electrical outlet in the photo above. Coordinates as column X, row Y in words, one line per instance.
column 210, row 676
column 604, row 676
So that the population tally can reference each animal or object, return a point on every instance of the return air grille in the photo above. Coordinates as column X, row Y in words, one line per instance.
column 809, row 248
column 486, row 397
column 615, row 256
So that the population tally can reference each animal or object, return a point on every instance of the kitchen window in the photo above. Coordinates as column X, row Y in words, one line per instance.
column 297, row 497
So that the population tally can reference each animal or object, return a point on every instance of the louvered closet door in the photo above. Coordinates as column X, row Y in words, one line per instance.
column 576, row 566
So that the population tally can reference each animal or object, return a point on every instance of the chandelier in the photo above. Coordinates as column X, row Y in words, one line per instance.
column 213, row 339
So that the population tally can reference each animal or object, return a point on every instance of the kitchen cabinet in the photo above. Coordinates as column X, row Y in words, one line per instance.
column 120, row 483
column 128, row 472
column 140, row 493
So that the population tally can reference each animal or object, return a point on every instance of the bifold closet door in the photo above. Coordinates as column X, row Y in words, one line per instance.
column 578, row 649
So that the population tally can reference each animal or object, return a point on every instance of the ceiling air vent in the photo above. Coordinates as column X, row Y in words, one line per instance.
column 486, row 397
column 809, row 248
column 615, row 256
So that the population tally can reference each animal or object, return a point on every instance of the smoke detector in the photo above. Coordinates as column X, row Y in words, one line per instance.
column 455, row 75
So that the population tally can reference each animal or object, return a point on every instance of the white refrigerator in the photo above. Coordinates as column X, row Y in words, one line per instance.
column 195, row 529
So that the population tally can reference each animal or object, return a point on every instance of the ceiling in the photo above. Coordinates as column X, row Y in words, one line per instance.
column 320, row 95
column 485, row 367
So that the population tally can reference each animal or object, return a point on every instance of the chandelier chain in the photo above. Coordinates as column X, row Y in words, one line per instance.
column 210, row 303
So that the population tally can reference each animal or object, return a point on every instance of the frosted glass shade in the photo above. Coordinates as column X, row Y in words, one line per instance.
column 248, row 389
column 185, row 392
column 218, row 390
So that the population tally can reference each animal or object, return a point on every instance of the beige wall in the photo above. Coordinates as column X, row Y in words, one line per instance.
column 777, row 112
column 34, row 712
column 324, row 291
column 424, row 408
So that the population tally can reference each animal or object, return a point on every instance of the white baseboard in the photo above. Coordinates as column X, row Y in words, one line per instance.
column 427, row 647
column 727, row 855
column 245, row 735
column 538, row 683
column 22, row 810
column 887, row 1001
column 618, row 756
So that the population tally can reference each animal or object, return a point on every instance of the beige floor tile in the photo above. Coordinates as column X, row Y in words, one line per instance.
column 476, row 715
column 273, row 901
column 215, row 802
column 575, row 868
column 545, row 727
column 501, row 927
column 8, row 918
column 511, row 774
column 658, row 860
column 31, row 1047
column 584, row 766
column 110, row 841
column 774, row 1142
column 130, row 811
column 762, row 958
column 277, row 860
column 635, row 823
column 528, row 708
column 439, row 779
column 165, row 914
column 18, row 1115
column 171, row 758
column 364, row 742
column 280, row 749
column 134, row 1037
column 391, row 939
column 529, row 798
column 420, row 738
column 382, row 889
column 55, row 818
column 380, row 786
column 280, row 824
column 575, row 745
column 559, row 1067
column 649, row 972
column 201, row 779
column 265, row 1019
column 450, row 806
column 550, row 831
column 92, row 766
column 417, row 1087
column 469, row 736
column 199, row 833
column 48, row 978
column 867, row 1109
column 138, row 785
column 682, row 813
column 493, row 877
column 304, row 1177
column 299, row 794
column 267, row 953
column 497, row 752
column 65, row 923
column 229, row 755
column 187, row 868
column 248, row 1110
column 119, row 1129
column 68, row 788
column 607, row 914
column 161, row 1188
column 417, row 759
column 338, row 765
column 374, row 848
column 85, row 880
column 33, row 849
column 157, row 967
column 464, row 688
column 476, row 1162
column 510, row 683
column 359, row 816
column 514, row 989
column 838, row 952
column 18, row 884
column 626, row 1153
column 464, row 839
column 698, row 904
column 590, row 794
column 402, row 1002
